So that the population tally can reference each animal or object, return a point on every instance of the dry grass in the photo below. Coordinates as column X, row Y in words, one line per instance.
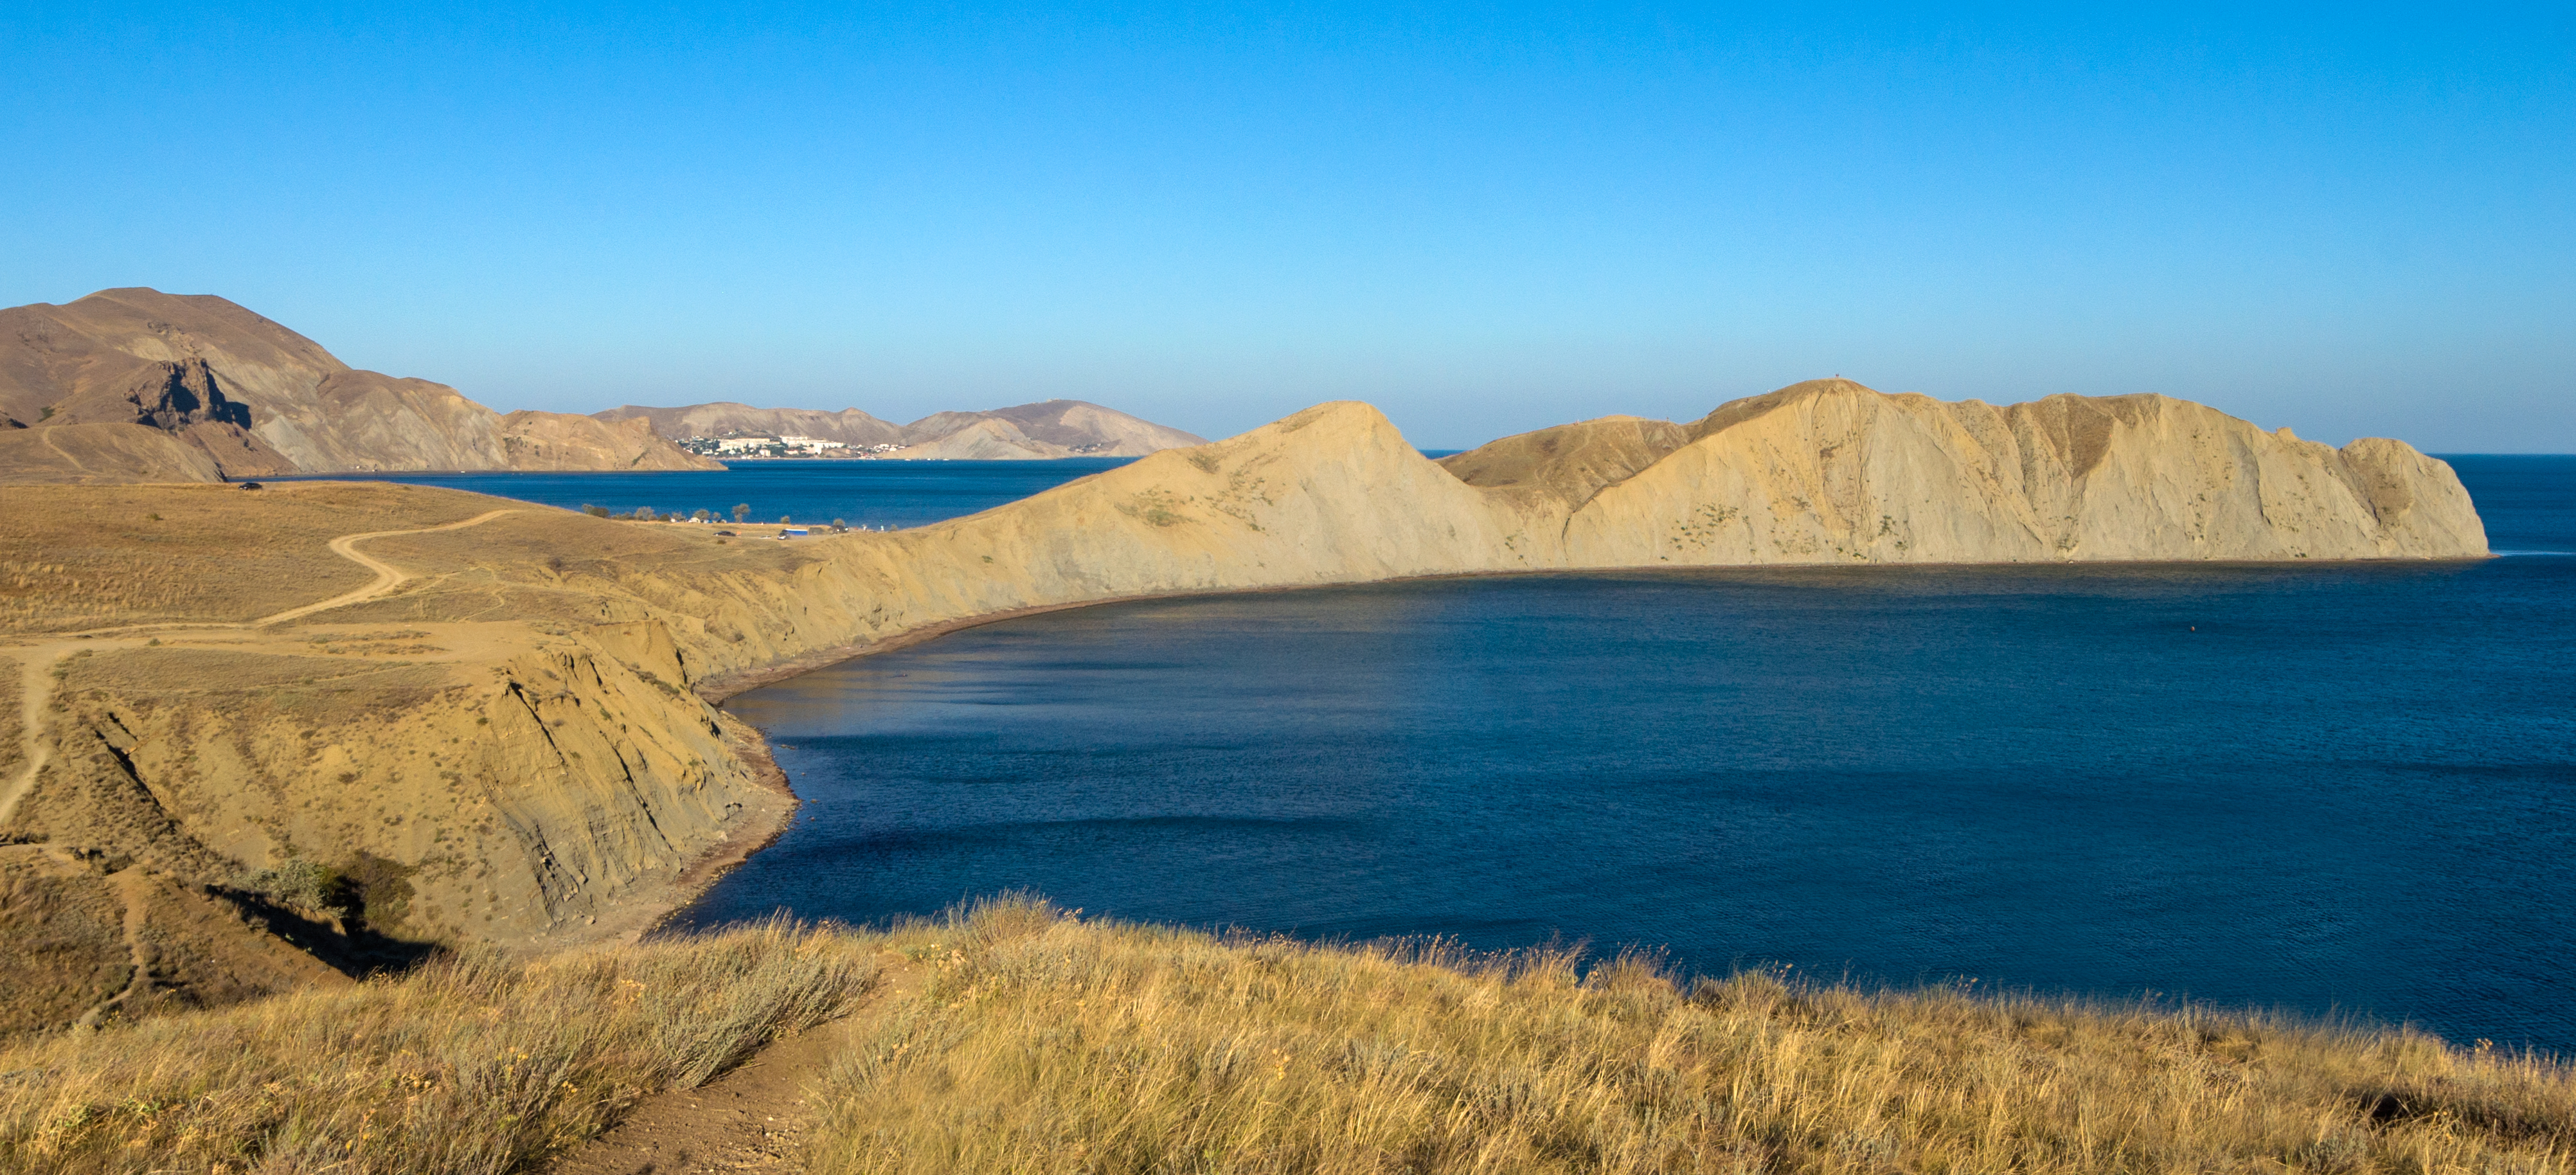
column 76, row 557
column 467, row 1065
column 1037, row 1043
column 12, row 746
column 64, row 952
column 1042, row 1044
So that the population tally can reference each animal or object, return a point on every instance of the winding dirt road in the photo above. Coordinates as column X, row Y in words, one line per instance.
column 36, row 660
column 388, row 576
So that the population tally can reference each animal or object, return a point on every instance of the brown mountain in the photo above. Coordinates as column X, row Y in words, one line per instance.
column 138, row 385
column 848, row 426
column 1051, row 428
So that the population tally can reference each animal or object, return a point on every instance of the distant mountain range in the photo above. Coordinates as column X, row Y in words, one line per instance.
column 137, row 385
column 1052, row 428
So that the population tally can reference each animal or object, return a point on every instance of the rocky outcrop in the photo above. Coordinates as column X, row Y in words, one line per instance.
column 256, row 399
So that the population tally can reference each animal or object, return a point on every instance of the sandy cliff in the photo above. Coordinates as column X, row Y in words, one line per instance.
column 1830, row 471
column 492, row 718
column 252, row 398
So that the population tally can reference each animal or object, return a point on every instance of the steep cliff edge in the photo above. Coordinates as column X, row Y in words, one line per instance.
column 1830, row 471
column 509, row 741
column 133, row 367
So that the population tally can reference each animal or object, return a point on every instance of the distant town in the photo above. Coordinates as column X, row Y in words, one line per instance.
column 792, row 446
column 755, row 445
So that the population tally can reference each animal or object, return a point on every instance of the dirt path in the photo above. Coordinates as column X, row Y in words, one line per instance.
column 35, row 693
column 36, row 660
column 128, row 885
column 752, row 1118
column 388, row 576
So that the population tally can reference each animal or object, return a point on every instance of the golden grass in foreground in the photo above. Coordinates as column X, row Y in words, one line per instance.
column 1037, row 1043
column 1040, row 1044
column 471, row 1065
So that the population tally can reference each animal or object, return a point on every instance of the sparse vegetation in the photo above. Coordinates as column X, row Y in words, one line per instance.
column 472, row 1064
column 1038, row 1043
column 71, row 557
column 1032, row 1041
column 309, row 886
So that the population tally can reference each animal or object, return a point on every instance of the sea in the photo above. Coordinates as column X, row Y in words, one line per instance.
column 889, row 495
column 2340, row 790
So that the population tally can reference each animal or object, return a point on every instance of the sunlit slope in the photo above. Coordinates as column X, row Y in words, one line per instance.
column 1832, row 472
column 1826, row 472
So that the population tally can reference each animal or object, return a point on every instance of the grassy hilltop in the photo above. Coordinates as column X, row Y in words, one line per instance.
column 1015, row 1038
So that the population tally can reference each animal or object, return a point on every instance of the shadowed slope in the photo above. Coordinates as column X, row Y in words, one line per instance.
column 1570, row 462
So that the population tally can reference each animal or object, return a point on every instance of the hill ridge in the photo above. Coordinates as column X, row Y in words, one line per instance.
column 1035, row 431
column 90, row 390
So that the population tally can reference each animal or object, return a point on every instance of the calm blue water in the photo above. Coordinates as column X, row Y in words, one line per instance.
column 864, row 493
column 893, row 494
column 2347, row 787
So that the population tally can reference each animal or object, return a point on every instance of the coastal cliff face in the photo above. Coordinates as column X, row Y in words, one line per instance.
column 194, row 388
column 513, row 743
column 1833, row 472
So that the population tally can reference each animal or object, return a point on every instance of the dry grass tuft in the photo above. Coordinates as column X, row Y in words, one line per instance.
column 468, row 1065
column 1044, row 1044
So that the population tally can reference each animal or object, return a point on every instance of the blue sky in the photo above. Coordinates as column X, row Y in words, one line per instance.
column 1481, row 219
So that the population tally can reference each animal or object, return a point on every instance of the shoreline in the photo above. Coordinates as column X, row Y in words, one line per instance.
column 701, row 874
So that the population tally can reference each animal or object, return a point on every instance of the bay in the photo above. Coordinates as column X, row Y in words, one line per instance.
column 872, row 494
column 2344, row 788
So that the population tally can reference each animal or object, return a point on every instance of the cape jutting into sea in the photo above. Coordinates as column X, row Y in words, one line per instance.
column 2343, row 789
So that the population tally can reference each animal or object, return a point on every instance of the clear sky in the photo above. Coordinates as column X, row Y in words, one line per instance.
column 1483, row 219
